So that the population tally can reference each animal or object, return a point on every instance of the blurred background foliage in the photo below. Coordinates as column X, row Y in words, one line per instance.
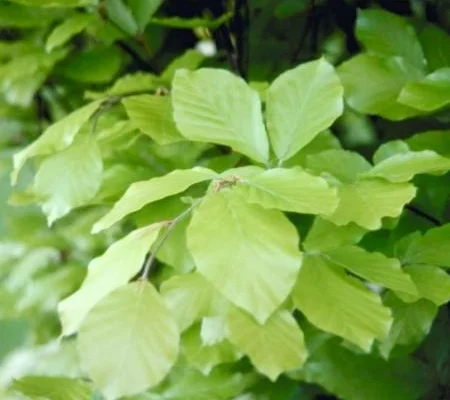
column 55, row 55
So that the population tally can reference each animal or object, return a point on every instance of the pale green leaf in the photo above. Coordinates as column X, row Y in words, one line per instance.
column 372, row 85
column 216, row 106
column 354, row 376
column 436, row 46
column 324, row 235
column 153, row 115
column 191, row 297
column 388, row 34
column 374, row 267
column 432, row 282
column 404, row 166
column 52, row 388
column 340, row 304
column 366, row 202
column 429, row 94
column 142, row 193
column 273, row 348
column 342, row 164
column 69, row 179
column 412, row 322
column 190, row 59
column 431, row 140
column 252, row 256
column 206, row 357
column 129, row 341
column 213, row 330
column 432, row 248
column 122, row 16
column 66, row 30
column 55, row 138
column 111, row 270
column 289, row 190
column 301, row 103
column 390, row 149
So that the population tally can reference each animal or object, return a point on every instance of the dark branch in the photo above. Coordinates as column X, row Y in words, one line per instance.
column 423, row 214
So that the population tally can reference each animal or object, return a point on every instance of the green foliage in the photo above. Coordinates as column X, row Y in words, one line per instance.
column 265, row 216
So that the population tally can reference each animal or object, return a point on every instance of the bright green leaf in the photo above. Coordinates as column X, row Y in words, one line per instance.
column 431, row 140
column 153, row 115
column 66, row 30
column 69, row 179
column 190, row 59
column 111, row 270
column 340, row 304
column 432, row 282
column 129, row 341
column 216, row 106
column 57, row 3
column 390, row 149
column 301, row 103
column 289, row 190
column 429, row 94
column 388, row 34
column 142, row 193
column 436, row 46
column 121, row 15
column 252, row 256
column 273, row 348
column 143, row 10
column 367, row 201
column 372, row 85
column 56, row 138
column 192, row 23
column 374, row 267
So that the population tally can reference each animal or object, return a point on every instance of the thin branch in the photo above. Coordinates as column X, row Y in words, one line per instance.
column 170, row 226
column 423, row 214
column 308, row 25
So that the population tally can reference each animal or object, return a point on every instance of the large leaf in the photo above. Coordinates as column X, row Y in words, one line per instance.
column 113, row 269
column 403, row 167
column 142, row 193
column 273, row 348
column 216, row 106
column 153, row 116
column 432, row 282
column 67, row 29
column 436, row 46
column 388, row 34
column 56, row 138
column 129, row 341
column 339, row 304
column 301, row 103
column 69, row 179
column 52, row 388
column 372, row 85
column 374, row 267
column 367, row 201
column 289, row 190
column 432, row 248
column 354, row 376
column 429, row 94
column 431, row 140
column 252, row 256
column 412, row 322
column 191, row 297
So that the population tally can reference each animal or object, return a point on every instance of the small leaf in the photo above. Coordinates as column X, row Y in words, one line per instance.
column 142, row 193
column 301, row 103
column 190, row 59
column 374, row 267
column 436, row 46
column 390, row 149
column 432, row 282
column 252, row 256
column 153, row 115
column 191, row 297
column 129, row 341
column 143, row 11
column 436, row 141
column 387, row 34
column 289, row 190
column 324, row 235
column 412, row 322
column 52, row 388
column 215, row 106
column 429, row 94
column 121, row 15
column 69, row 179
column 339, row 304
column 403, row 167
column 372, row 85
column 67, row 29
column 273, row 348
column 111, row 270
column 55, row 138
column 366, row 202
